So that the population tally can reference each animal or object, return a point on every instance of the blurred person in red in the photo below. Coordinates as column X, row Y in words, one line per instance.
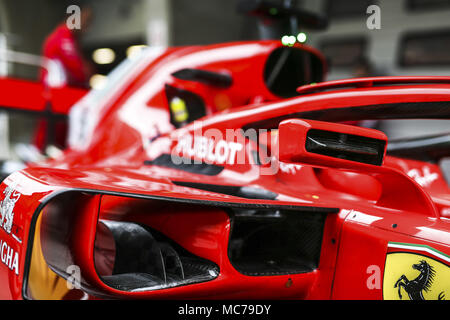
column 64, row 65
column 62, row 54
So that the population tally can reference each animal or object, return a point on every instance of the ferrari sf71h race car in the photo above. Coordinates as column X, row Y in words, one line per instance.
column 231, row 171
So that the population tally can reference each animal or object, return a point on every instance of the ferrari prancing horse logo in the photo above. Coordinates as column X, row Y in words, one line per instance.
column 416, row 272
column 422, row 283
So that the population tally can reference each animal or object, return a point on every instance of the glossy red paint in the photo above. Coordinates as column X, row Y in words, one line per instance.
column 204, row 231
column 113, row 171
column 23, row 95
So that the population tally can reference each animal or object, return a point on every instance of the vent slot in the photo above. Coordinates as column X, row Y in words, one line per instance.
column 345, row 146
column 214, row 79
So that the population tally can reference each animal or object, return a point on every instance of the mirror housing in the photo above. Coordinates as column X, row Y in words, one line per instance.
column 334, row 145
column 351, row 148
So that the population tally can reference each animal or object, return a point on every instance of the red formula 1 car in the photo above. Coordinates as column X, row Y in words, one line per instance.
column 206, row 173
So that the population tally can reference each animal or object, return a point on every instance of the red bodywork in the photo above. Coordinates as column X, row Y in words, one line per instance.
column 48, row 105
column 28, row 96
column 116, row 173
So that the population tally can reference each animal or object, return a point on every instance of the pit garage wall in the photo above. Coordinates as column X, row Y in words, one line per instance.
column 25, row 23
column 209, row 21
column 121, row 20
column 383, row 44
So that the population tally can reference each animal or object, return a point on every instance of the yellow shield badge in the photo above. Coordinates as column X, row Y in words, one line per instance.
column 416, row 272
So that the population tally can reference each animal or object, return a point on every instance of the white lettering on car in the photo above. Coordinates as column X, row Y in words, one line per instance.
column 205, row 149
column 9, row 257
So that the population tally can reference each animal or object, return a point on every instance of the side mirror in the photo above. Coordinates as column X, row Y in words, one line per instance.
column 332, row 145
column 351, row 148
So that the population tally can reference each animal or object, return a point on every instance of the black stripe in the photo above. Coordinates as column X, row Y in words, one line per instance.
column 237, row 191
column 185, row 164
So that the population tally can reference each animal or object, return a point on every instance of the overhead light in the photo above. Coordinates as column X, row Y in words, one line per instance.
column 301, row 37
column 288, row 40
column 104, row 56
column 133, row 51
column 98, row 81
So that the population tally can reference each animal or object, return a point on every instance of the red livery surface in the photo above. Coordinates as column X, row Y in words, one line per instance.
column 226, row 172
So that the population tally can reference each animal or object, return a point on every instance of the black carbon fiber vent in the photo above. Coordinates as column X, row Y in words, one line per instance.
column 345, row 146
column 264, row 242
